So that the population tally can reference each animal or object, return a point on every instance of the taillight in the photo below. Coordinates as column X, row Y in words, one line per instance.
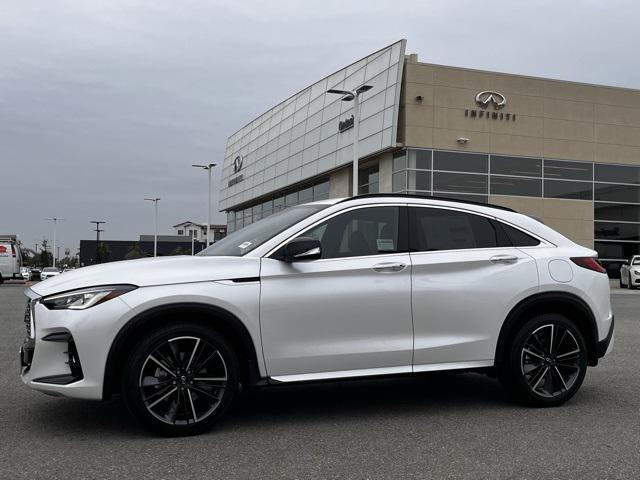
column 589, row 263
column 13, row 250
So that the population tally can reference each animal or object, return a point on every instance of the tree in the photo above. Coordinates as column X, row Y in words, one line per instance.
column 180, row 251
column 67, row 262
column 135, row 252
column 46, row 258
column 102, row 252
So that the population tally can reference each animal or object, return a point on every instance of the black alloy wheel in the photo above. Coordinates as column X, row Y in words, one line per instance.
column 547, row 361
column 180, row 380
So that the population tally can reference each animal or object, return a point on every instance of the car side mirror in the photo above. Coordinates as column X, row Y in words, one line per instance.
column 302, row 248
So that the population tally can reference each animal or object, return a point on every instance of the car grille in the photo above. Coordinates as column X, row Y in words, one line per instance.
column 27, row 318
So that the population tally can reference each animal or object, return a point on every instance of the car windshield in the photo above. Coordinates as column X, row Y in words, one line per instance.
column 636, row 261
column 241, row 242
column 50, row 269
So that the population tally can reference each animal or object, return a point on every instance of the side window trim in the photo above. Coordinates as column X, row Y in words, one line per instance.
column 491, row 218
column 403, row 233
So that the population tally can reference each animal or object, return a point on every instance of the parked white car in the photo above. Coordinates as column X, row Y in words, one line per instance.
column 630, row 273
column 26, row 273
column 372, row 285
column 48, row 272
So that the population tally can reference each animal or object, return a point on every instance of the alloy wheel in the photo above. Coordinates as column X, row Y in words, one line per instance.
column 550, row 360
column 183, row 380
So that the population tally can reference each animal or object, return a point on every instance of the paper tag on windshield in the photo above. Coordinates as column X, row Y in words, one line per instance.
column 244, row 245
column 385, row 245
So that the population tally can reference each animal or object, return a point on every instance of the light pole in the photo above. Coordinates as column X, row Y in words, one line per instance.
column 347, row 96
column 55, row 221
column 98, row 230
column 155, row 236
column 208, row 167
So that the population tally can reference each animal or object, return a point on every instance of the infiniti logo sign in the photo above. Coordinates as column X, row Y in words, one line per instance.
column 237, row 164
column 486, row 98
column 483, row 99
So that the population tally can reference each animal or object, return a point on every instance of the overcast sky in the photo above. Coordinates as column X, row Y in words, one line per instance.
column 103, row 103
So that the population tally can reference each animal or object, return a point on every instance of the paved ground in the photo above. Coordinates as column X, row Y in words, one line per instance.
column 441, row 426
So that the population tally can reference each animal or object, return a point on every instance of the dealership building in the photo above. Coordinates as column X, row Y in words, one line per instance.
column 567, row 153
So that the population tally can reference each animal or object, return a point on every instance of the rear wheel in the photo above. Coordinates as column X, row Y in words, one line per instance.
column 546, row 361
column 180, row 380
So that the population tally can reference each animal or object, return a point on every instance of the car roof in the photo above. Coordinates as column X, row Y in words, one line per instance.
column 425, row 197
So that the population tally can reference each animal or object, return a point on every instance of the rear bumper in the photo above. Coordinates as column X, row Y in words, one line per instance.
column 603, row 346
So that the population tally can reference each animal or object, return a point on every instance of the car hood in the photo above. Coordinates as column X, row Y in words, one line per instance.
column 152, row 271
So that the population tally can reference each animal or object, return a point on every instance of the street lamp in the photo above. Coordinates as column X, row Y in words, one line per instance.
column 347, row 96
column 155, row 236
column 55, row 221
column 208, row 167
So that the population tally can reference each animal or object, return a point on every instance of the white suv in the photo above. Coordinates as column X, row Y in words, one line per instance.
column 372, row 285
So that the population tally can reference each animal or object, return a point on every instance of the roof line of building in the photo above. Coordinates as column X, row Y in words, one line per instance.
column 530, row 77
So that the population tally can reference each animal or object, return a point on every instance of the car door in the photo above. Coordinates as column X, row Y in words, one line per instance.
column 466, row 277
column 347, row 313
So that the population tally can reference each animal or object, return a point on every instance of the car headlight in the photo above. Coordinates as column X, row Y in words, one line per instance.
column 636, row 272
column 85, row 297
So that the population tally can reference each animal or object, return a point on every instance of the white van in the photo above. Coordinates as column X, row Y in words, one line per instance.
column 10, row 258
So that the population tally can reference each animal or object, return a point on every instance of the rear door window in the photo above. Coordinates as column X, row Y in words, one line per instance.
column 434, row 229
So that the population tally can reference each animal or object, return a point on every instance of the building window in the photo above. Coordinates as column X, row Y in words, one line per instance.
column 516, row 166
column 527, row 187
column 368, row 180
column 564, row 170
column 180, row 232
column 460, row 162
column 310, row 193
column 568, row 190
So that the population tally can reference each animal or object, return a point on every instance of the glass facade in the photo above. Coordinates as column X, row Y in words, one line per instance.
column 237, row 219
column 368, row 180
column 614, row 189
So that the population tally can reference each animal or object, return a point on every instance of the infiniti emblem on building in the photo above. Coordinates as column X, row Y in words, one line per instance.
column 237, row 164
column 483, row 99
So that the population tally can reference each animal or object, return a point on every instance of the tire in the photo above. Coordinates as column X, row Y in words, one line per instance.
column 537, row 375
column 166, row 393
column 630, row 284
column 621, row 284
column 1, row 280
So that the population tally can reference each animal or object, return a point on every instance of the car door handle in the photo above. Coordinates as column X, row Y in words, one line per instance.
column 389, row 267
column 504, row 259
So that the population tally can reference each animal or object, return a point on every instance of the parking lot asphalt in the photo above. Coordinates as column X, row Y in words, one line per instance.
column 434, row 426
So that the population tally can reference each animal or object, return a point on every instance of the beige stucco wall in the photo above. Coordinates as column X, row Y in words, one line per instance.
column 555, row 119
column 340, row 183
column 572, row 218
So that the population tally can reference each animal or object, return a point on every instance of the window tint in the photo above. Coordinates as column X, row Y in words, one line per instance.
column 518, row 166
column 460, row 182
column 527, row 187
column 558, row 169
column 361, row 232
column 617, row 193
column 570, row 190
column 617, row 173
column 460, row 162
column 518, row 238
column 440, row 229
column 420, row 159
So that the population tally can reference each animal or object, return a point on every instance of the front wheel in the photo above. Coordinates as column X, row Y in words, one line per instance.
column 630, row 284
column 546, row 362
column 180, row 379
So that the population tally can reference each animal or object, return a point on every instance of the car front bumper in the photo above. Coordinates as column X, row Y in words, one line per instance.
column 64, row 352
